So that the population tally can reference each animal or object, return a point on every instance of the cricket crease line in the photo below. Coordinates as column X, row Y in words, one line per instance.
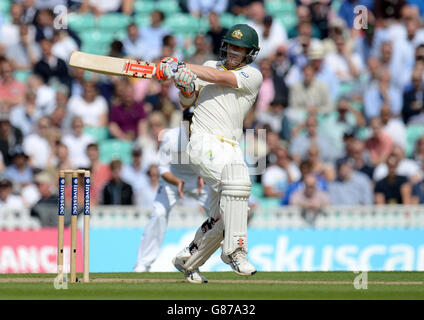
column 281, row 282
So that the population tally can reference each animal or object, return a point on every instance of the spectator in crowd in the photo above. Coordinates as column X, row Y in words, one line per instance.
column 150, row 142
column 267, row 91
column 9, row 137
column 418, row 193
column 305, row 168
column 11, row 90
column 127, row 118
column 50, row 67
column 319, row 167
column 393, row 126
column 271, row 32
column 76, row 142
column 100, row 172
column 346, row 120
column 25, row 116
column 299, row 46
column 149, row 193
column 393, row 189
column 134, row 45
column 275, row 117
column 45, row 95
column 135, row 174
column 199, row 8
column 60, row 158
column 117, row 191
column 19, row 172
column 29, row 11
column 345, row 64
column 91, row 106
column 26, row 52
column 359, row 157
column 381, row 92
column 321, row 14
column 303, row 15
column 310, row 95
column 413, row 100
column 310, row 199
column 37, row 145
column 9, row 31
column 405, row 167
column 2, row 165
column 419, row 150
column 9, row 201
column 47, row 202
column 99, row 7
column 63, row 44
column 239, row 7
column 216, row 32
column 379, row 145
column 170, row 41
column 203, row 50
column 154, row 34
column 300, row 143
column 351, row 187
column 279, row 175
column 78, row 79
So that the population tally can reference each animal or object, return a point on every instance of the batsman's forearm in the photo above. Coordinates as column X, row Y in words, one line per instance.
column 213, row 75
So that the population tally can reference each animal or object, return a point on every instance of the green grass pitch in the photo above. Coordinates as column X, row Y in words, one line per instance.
column 221, row 286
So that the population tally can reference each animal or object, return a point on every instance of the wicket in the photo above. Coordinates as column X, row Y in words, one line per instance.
column 74, row 214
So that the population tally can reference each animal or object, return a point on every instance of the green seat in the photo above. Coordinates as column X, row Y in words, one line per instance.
column 239, row 19
column 99, row 134
column 257, row 190
column 413, row 133
column 204, row 25
column 96, row 48
column 270, row 203
column 113, row 21
column 97, row 36
column 22, row 75
column 5, row 6
column 168, row 6
column 277, row 7
column 111, row 149
column 81, row 22
column 288, row 20
column 142, row 20
column 227, row 20
column 180, row 23
column 144, row 7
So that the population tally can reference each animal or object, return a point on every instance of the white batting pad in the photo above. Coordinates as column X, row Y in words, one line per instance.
column 234, row 206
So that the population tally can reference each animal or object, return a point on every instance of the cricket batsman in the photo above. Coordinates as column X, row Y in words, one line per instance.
column 222, row 92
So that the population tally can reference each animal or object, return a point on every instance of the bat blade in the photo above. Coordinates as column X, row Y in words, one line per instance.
column 111, row 65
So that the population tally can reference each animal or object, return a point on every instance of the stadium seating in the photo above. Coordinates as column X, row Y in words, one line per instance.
column 81, row 22
column 168, row 6
column 144, row 7
column 113, row 21
column 275, row 7
column 5, row 6
column 111, row 149
column 413, row 132
column 142, row 20
column 99, row 134
column 182, row 23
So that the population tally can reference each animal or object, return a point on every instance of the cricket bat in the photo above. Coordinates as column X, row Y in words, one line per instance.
column 112, row 66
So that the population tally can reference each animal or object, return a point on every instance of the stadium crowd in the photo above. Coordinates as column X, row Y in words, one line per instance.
column 342, row 106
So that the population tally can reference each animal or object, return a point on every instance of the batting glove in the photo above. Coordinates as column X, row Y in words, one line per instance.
column 164, row 68
column 184, row 80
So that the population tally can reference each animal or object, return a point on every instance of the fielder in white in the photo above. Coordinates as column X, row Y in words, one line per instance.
column 177, row 179
column 222, row 92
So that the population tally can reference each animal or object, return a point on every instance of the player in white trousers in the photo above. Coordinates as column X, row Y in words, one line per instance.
column 222, row 92
column 177, row 179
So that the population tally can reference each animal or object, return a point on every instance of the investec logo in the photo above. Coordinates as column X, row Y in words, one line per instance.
column 62, row 196
column 75, row 196
column 87, row 196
